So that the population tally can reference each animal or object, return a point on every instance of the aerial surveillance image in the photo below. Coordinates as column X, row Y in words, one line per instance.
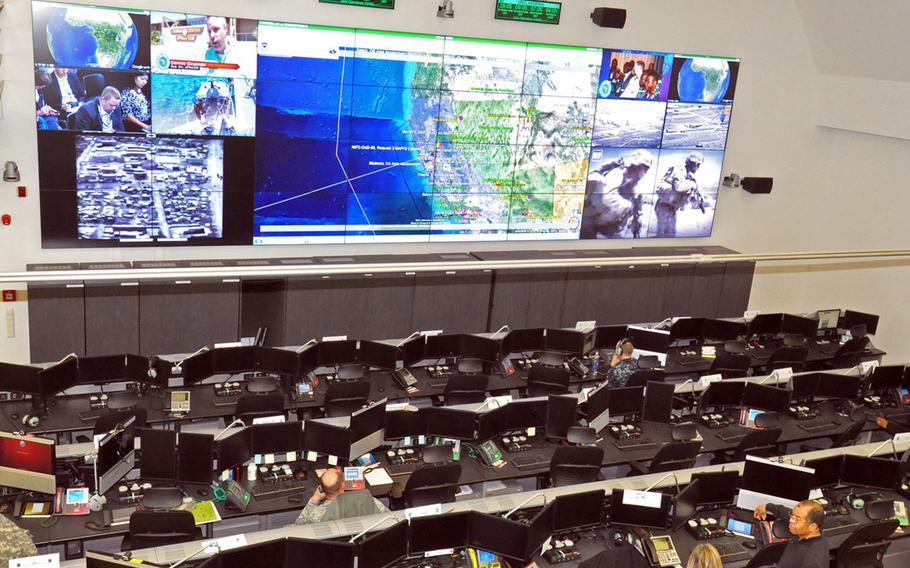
column 697, row 126
column 141, row 189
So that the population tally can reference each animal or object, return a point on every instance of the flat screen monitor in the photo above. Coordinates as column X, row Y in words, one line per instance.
column 368, row 421
column 684, row 505
column 385, row 547
column 639, row 508
column 804, row 387
column 405, row 423
column 413, row 351
column 450, row 423
column 117, row 455
column 493, row 423
column 493, row 533
column 525, row 414
column 783, row 481
column 477, row 347
column 332, row 353
column 765, row 397
column 27, row 462
column 541, row 529
column 281, row 437
column 157, row 458
column 797, row 325
column 658, row 402
column 277, row 361
column 101, row 369
column 687, row 328
column 606, row 337
column 716, row 487
column 626, row 400
column 269, row 553
column 59, row 377
column 326, row 439
column 832, row 385
column 141, row 369
column 652, row 340
column 723, row 330
column 596, row 407
column 827, row 319
column 565, row 341
column 439, row 532
column 330, row 553
column 234, row 360
column 561, row 411
column 198, row 367
column 378, row 355
column 886, row 377
column 723, row 393
column 578, row 510
column 766, row 324
column 19, row 378
column 233, row 450
column 879, row 473
column 523, row 340
column 195, row 453
column 442, row 346
column 307, row 360
column 827, row 471
column 852, row 318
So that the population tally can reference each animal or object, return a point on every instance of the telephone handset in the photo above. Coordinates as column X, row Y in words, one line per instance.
column 660, row 551
column 489, row 453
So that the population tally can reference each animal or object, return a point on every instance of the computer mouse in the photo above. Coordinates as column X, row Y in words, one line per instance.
column 750, row 544
column 202, row 492
column 301, row 474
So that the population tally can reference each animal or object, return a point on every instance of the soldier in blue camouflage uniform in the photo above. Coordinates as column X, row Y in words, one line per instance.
column 677, row 189
column 15, row 542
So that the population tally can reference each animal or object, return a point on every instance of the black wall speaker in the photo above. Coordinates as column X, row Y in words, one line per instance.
column 609, row 17
column 757, row 185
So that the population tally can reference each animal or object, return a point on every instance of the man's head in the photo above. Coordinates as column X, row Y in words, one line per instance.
column 639, row 68
column 649, row 81
column 217, row 30
column 60, row 72
column 627, row 346
column 109, row 99
column 41, row 80
column 213, row 101
column 637, row 164
column 332, row 483
column 807, row 519
column 693, row 161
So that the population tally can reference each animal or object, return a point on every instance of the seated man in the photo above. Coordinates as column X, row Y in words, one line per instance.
column 807, row 519
column 323, row 505
column 15, row 542
column 893, row 426
column 102, row 113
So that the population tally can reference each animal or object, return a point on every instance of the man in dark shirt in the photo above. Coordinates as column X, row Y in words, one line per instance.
column 807, row 519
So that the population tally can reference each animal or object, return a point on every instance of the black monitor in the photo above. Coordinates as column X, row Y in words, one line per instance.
column 367, row 421
column 765, row 397
column 658, row 402
column 639, row 508
column 561, row 411
column 803, row 388
column 723, row 330
column 234, row 360
column 606, row 337
column 716, row 487
column 281, row 437
column 59, row 377
column 442, row 346
column 326, row 439
column 233, row 450
column 523, row 340
column 827, row 470
column 525, row 414
column 331, row 353
column 832, row 385
column 597, row 403
column 565, row 341
column 687, row 328
column 649, row 340
column 194, row 457
column 886, row 377
column 879, row 473
column 797, row 325
column 450, row 423
column 685, row 504
column 404, row 423
column 498, row 535
column 27, row 462
column 329, row 553
column 723, row 393
column 384, row 547
column 541, row 529
column 626, row 400
column 578, row 510
column 413, row 351
column 157, row 458
column 19, row 378
column 439, row 532
column 198, row 367
column 777, row 480
column 766, row 324
column 827, row 319
column 101, row 369
column 116, row 454
column 307, row 360
column 378, row 355
column 493, row 423
column 476, row 347
column 278, row 361
column 268, row 553
column 851, row 318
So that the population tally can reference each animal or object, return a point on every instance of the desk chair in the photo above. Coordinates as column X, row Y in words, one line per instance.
column 846, row 438
column 465, row 389
column 866, row 546
column 793, row 357
column 849, row 354
column 730, row 366
column 350, row 504
column 768, row 555
column 429, row 485
column 570, row 465
column 250, row 406
column 342, row 399
column 158, row 528
column 672, row 456
column 546, row 381
column 756, row 443
column 641, row 378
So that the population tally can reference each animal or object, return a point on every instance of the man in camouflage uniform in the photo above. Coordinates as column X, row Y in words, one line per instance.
column 15, row 542
column 677, row 189
column 609, row 210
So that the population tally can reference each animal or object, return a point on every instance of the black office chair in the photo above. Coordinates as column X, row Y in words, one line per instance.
column 866, row 546
column 793, row 357
column 429, row 485
column 641, row 378
column 846, row 438
column 768, row 555
column 672, row 456
column 849, row 354
column 94, row 84
column 730, row 366
column 573, row 465
column 465, row 389
column 756, row 443
column 546, row 381
column 794, row 340
column 250, row 406
column 342, row 399
column 734, row 347
column 158, row 528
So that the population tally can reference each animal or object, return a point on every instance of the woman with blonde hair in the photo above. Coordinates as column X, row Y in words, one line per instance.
column 704, row 556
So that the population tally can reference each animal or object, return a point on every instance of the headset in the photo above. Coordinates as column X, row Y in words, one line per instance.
column 31, row 420
column 619, row 344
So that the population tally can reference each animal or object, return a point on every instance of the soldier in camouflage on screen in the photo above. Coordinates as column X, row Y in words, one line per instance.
column 677, row 189
column 15, row 542
column 610, row 210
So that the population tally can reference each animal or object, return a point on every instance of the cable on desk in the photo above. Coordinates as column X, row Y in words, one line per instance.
column 50, row 521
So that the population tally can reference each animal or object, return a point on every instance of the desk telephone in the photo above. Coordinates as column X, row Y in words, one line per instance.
column 489, row 454
column 577, row 367
column 305, row 389
column 404, row 378
column 659, row 551
column 180, row 401
column 73, row 501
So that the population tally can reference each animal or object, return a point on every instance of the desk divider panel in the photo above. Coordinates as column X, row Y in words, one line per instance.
column 737, row 287
column 527, row 298
column 457, row 303
column 263, row 303
column 56, row 321
column 111, row 318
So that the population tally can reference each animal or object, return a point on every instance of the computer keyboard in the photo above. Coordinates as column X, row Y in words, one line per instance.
column 526, row 460
column 731, row 549
column 634, row 444
column 277, row 488
column 731, row 435
column 759, row 352
column 839, row 523
column 817, row 425
column 437, row 384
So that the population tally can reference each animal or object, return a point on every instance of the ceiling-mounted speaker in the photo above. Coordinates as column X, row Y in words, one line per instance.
column 757, row 185
column 609, row 17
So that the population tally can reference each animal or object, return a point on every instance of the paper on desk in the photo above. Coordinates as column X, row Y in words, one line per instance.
column 205, row 512
column 649, row 499
column 378, row 476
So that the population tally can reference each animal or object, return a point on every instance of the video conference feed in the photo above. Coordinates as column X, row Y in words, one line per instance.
column 344, row 135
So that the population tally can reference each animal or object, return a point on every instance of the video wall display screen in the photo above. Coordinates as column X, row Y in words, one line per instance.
column 169, row 128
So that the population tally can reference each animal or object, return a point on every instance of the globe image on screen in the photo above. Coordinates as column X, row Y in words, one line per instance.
column 84, row 37
column 703, row 80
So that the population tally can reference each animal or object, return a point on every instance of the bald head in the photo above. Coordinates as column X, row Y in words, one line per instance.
column 332, row 483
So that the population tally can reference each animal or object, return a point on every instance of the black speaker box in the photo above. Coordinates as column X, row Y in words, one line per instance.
column 609, row 17
column 758, row 185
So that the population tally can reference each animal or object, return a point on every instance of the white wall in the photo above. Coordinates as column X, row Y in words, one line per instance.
column 822, row 176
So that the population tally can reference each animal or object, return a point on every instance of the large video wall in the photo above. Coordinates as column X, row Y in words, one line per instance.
column 169, row 129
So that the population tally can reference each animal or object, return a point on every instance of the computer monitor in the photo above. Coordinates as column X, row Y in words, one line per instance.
column 716, row 487
column 579, row 510
column 442, row 346
column 19, row 378
column 195, row 453
column 797, row 325
column 541, row 529
column 852, row 318
column 597, row 407
column 527, row 414
column 723, row 393
column 276, row 438
column 198, row 367
column 803, row 388
column 307, row 360
column 886, row 377
column 766, row 481
column 685, row 505
column 413, row 351
column 378, row 355
column 476, row 347
column 101, row 369
column 450, row 423
column 157, row 454
column 832, row 385
column 495, row 534
column 330, row 553
column 565, row 341
column 331, row 353
column 117, row 455
column 723, row 330
column 626, row 400
column 639, row 508
column 561, row 412
column 687, row 329
column 878, row 473
column 326, row 439
column 385, row 547
column 523, row 340
column 766, row 324
column 366, row 429
column 234, row 360
column 268, row 553
column 607, row 336
column 405, row 423
column 827, row 470
column 766, row 397
column 493, row 423
column 658, row 402
column 439, row 532
column 278, row 361
column 827, row 319
column 58, row 377
column 232, row 451
column 27, row 462
column 653, row 340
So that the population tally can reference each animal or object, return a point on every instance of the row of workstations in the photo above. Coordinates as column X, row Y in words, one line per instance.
column 629, row 521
